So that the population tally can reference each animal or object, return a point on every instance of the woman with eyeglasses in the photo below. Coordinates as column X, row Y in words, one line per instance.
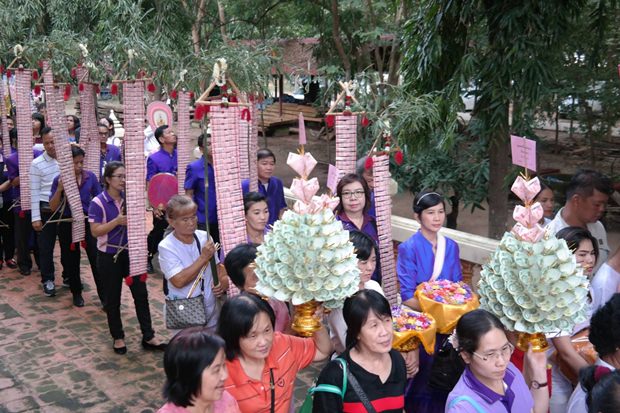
column 426, row 256
column 352, row 211
column 490, row 382
column 108, row 223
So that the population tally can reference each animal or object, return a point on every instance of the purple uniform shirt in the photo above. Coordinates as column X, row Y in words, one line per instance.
column 12, row 170
column 89, row 188
column 516, row 399
column 274, row 194
column 195, row 180
column 160, row 162
column 369, row 226
column 103, row 208
column 416, row 261
column 112, row 153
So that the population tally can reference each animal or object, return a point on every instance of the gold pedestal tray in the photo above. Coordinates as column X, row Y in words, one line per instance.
column 304, row 322
column 537, row 340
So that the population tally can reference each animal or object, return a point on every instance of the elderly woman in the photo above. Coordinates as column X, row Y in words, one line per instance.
column 605, row 336
column 184, row 253
column 262, row 364
column 195, row 367
column 490, row 382
column 370, row 359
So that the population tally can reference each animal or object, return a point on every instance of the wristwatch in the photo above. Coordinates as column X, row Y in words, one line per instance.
column 537, row 385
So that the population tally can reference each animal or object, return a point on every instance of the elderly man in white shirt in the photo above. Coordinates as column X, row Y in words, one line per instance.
column 586, row 200
column 42, row 173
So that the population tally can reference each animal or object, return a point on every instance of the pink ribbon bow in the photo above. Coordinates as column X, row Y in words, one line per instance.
column 526, row 190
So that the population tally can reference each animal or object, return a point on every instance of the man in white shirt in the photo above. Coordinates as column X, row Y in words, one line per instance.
column 42, row 173
column 586, row 200
column 606, row 281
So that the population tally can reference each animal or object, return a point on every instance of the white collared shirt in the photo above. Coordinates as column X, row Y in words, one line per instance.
column 43, row 170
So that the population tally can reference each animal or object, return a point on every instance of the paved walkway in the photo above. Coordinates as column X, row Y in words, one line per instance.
column 58, row 358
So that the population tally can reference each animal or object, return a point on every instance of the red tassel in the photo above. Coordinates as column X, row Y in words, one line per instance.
column 199, row 112
column 72, row 246
column 399, row 158
column 37, row 90
column 83, row 244
column 191, row 95
column 35, row 75
column 369, row 162
column 330, row 120
column 22, row 214
column 365, row 121
column 9, row 74
column 97, row 89
column 233, row 99
column 223, row 88
column 173, row 94
column 114, row 89
column 73, row 72
column 151, row 87
column 67, row 94
column 129, row 280
column 40, row 63
column 143, row 277
column 81, row 87
column 1, row 69
column 141, row 74
column 245, row 114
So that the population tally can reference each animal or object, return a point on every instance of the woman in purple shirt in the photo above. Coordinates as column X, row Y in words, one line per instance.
column 89, row 187
column 490, row 382
column 353, row 208
column 108, row 223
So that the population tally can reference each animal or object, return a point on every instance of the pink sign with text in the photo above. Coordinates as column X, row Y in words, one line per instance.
column 332, row 178
column 523, row 152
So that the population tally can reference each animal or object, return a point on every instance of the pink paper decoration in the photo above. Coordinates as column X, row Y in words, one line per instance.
column 528, row 216
column 57, row 120
column 302, row 129
column 6, row 140
column 305, row 190
column 383, row 206
column 332, row 178
column 302, row 164
column 523, row 152
column 184, row 149
column 253, row 148
column 346, row 144
column 526, row 191
column 225, row 148
column 89, row 133
column 245, row 132
column 24, row 134
column 135, row 169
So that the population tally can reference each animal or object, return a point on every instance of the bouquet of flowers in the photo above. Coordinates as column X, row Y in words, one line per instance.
column 307, row 255
column 412, row 328
column 446, row 301
column 533, row 283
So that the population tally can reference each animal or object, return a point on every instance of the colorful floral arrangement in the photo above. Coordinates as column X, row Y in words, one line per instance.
column 412, row 327
column 307, row 255
column 447, row 292
column 533, row 283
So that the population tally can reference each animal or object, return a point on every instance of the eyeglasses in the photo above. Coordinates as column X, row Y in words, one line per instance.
column 505, row 353
column 118, row 176
column 355, row 194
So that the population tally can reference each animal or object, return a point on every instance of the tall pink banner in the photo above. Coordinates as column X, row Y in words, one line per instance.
column 184, row 148
column 346, row 144
column 89, row 134
column 6, row 140
column 24, row 134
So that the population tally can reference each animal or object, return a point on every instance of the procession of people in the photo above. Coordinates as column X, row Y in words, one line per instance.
column 244, row 356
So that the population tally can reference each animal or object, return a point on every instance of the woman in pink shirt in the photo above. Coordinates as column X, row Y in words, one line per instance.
column 195, row 366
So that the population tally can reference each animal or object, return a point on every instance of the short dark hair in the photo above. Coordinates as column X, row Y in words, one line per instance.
column 356, row 309
column 427, row 199
column 236, row 260
column 77, row 151
column 349, row 179
column 38, row 116
column 472, row 326
column 573, row 237
column 76, row 121
column 605, row 327
column 109, row 170
column 187, row 355
column 585, row 181
column 202, row 139
column 363, row 243
column 265, row 153
column 237, row 318
column 159, row 132
column 251, row 198
column 45, row 131
column 603, row 396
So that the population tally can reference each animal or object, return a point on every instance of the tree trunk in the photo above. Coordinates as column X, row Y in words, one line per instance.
column 499, row 164
column 196, row 26
column 394, row 64
column 220, row 11
column 346, row 63
column 453, row 216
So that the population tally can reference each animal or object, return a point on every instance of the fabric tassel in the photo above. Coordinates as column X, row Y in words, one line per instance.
column 365, row 122
column 129, row 280
column 67, row 93
column 330, row 121
column 114, row 89
column 399, row 158
column 151, row 87
column 143, row 277
column 369, row 162
column 173, row 94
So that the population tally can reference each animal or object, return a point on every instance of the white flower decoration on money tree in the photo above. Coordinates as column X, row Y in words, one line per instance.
column 533, row 283
column 307, row 255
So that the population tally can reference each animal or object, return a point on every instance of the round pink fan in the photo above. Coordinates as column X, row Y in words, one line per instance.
column 162, row 187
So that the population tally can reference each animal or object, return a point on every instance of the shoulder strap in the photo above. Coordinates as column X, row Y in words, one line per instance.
column 467, row 399
column 440, row 256
column 361, row 394
column 330, row 388
column 197, row 243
